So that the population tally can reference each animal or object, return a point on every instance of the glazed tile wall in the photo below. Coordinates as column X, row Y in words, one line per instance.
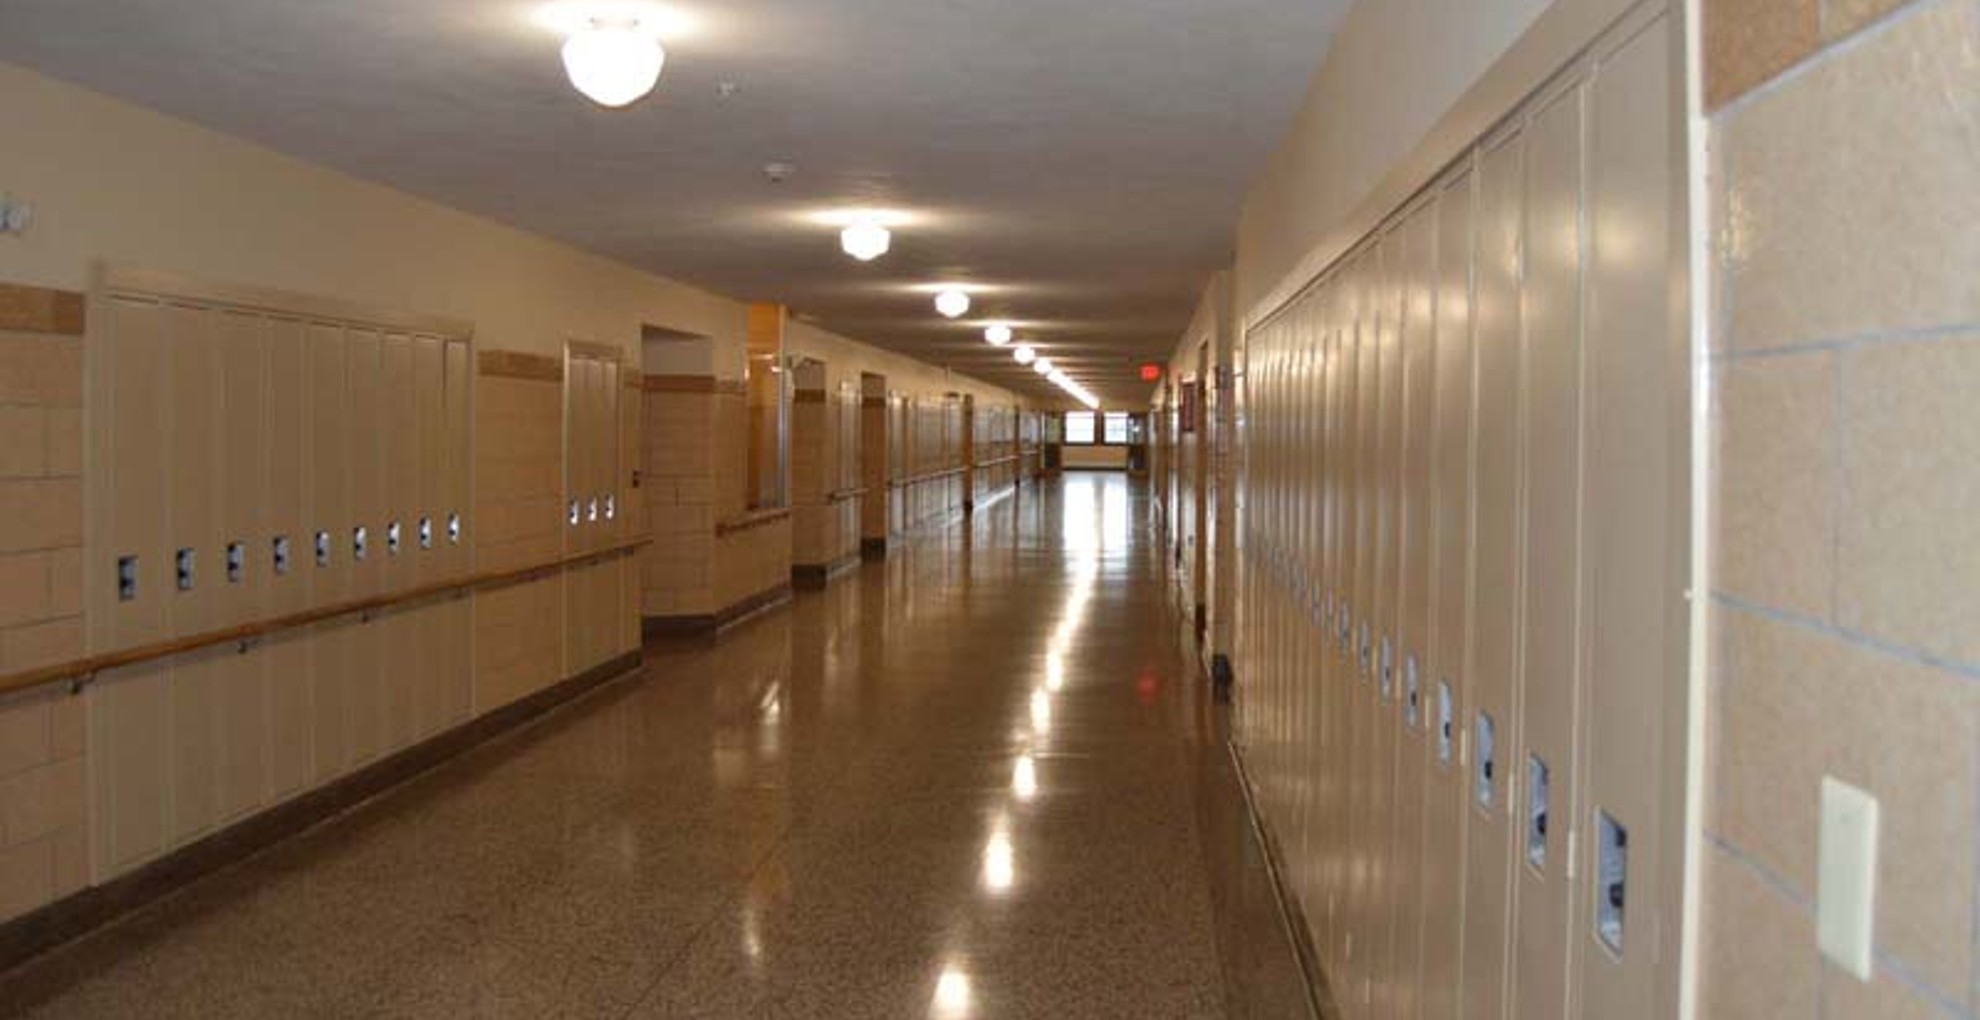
column 1461, row 606
column 1846, row 353
column 518, row 515
column 678, row 482
column 44, row 821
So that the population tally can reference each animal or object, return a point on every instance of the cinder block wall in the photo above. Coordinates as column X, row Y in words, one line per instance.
column 1845, row 624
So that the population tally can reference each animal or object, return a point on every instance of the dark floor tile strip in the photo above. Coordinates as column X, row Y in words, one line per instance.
column 1291, row 915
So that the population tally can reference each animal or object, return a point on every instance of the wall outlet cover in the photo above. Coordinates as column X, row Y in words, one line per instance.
column 1846, row 887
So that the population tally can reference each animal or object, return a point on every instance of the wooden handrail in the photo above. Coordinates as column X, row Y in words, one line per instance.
column 841, row 495
column 752, row 519
column 83, row 669
column 932, row 476
column 999, row 461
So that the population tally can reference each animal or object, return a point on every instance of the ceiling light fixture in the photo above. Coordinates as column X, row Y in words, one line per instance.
column 1043, row 366
column 614, row 60
column 866, row 239
column 1024, row 355
column 998, row 335
column 952, row 303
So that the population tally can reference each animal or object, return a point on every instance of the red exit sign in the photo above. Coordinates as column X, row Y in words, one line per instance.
column 1151, row 372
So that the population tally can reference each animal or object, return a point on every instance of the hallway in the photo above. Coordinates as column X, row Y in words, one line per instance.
column 966, row 783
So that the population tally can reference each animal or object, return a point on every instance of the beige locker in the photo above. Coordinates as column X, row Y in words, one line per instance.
column 454, row 535
column 324, row 552
column 422, row 529
column 1444, row 673
column 1336, row 673
column 397, row 540
column 129, row 768
column 240, row 574
column 287, row 658
column 1550, row 611
column 364, row 636
column 193, row 603
column 1363, row 710
column 1419, row 249
column 1636, row 413
column 1492, row 723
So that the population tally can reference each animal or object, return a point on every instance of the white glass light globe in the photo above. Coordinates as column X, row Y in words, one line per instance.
column 1043, row 366
column 614, row 63
column 866, row 240
column 1024, row 355
column 953, row 304
column 997, row 336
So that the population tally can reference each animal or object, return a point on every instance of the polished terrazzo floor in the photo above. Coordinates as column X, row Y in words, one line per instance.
column 982, row 779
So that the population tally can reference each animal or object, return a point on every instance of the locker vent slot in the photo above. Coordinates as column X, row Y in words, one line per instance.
column 1445, row 738
column 1388, row 669
column 1412, row 693
column 453, row 529
column 392, row 538
column 1536, row 811
column 426, row 532
column 360, row 542
column 127, row 573
column 1488, row 764
column 322, row 548
column 1612, row 875
column 184, row 569
column 280, row 554
column 236, row 562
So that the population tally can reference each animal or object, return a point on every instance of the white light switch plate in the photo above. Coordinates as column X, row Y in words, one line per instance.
column 1846, row 894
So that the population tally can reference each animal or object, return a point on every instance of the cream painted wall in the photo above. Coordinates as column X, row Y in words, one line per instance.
column 110, row 180
column 1370, row 133
column 845, row 359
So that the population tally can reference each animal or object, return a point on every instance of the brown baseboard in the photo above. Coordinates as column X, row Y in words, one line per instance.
column 707, row 625
column 873, row 550
column 819, row 576
column 74, row 916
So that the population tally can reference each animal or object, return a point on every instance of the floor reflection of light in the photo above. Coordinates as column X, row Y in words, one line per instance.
column 1024, row 778
column 999, row 862
column 1055, row 672
column 1041, row 711
column 952, row 994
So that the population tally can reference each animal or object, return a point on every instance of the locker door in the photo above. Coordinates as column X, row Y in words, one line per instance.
column 1489, row 853
column 1386, row 720
column 1336, row 678
column 193, row 602
column 240, row 568
column 427, row 527
column 1551, row 604
column 454, row 531
column 1419, row 238
column 364, row 540
column 397, row 540
column 1444, row 672
column 286, row 588
column 1363, row 712
column 324, row 553
column 130, row 773
column 1636, row 401
column 1312, row 402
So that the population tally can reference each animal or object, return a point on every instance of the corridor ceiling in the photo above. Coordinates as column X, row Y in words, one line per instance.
column 1083, row 161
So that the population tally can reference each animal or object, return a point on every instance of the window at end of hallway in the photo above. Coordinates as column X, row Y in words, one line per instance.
column 1079, row 428
column 1116, row 428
